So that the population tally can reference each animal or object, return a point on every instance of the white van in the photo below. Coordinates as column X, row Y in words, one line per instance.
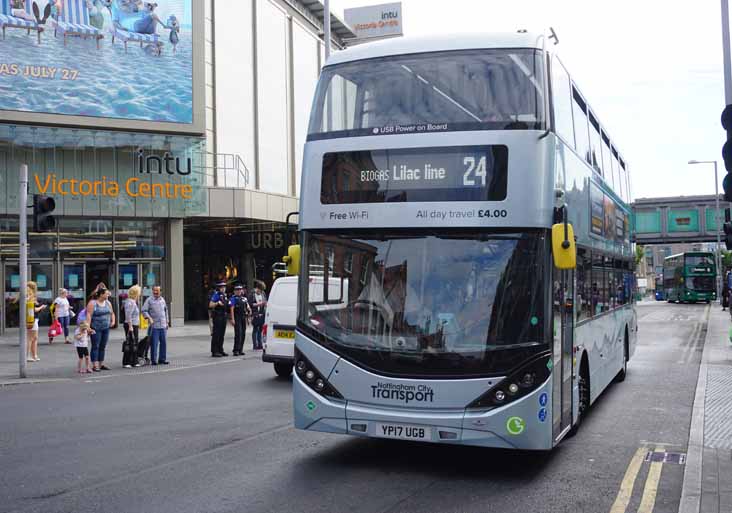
column 281, row 317
column 279, row 325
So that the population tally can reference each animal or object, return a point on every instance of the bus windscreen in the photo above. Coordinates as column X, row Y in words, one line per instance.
column 468, row 173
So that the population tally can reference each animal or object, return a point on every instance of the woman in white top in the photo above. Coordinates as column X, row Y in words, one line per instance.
column 132, row 327
column 62, row 313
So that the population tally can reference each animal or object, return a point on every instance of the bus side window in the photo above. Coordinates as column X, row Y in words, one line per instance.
column 584, row 267
column 562, row 96
column 581, row 129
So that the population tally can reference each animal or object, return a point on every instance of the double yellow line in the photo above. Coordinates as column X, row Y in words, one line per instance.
column 648, row 500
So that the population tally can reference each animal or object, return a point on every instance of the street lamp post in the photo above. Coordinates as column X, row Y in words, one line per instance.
column 717, row 222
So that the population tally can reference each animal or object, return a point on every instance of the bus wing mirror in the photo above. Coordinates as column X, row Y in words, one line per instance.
column 563, row 246
column 293, row 260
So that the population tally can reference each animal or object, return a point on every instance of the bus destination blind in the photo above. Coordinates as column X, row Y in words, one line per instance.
column 466, row 173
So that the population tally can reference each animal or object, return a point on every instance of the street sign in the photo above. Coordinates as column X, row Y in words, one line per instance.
column 375, row 21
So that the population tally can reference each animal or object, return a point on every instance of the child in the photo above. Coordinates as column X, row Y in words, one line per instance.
column 81, row 341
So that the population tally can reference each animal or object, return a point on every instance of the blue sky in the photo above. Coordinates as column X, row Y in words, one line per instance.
column 651, row 70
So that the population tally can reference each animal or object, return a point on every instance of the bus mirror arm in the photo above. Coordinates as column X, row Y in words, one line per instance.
column 565, row 242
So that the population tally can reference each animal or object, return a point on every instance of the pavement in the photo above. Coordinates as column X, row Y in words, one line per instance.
column 188, row 346
column 219, row 438
column 708, row 477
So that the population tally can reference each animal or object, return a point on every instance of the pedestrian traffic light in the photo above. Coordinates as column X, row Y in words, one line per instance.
column 727, row 153
column 43, row 206
column 727, row 235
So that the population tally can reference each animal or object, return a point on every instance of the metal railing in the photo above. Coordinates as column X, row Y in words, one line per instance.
column 225, row 170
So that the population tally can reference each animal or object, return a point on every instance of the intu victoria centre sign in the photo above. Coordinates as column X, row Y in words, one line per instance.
column 135, row 187
column 375, row 21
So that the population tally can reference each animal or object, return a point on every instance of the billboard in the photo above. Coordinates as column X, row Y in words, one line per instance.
column 121, row 64
column 375, row 21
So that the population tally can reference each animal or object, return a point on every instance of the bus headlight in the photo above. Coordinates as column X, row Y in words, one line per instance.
column 313, row 378
column 519, row 384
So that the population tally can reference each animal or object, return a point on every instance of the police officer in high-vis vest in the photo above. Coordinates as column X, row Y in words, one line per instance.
column 219, row 304
column 238, row 311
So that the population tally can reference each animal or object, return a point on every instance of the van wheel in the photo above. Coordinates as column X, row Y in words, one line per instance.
column 283, row 370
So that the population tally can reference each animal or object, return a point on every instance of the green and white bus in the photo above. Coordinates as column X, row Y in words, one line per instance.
column 445, row 183
column 690, row 277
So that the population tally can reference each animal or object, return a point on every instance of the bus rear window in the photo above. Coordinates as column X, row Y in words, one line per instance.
column 465, row 173
column 442, row 91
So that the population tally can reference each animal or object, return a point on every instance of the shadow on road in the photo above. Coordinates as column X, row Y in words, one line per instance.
column 439, row 461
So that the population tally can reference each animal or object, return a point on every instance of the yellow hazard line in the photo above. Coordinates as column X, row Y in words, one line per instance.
column 651, row 489
column 626, row 485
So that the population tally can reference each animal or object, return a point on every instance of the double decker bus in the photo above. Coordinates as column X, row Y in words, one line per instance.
column 690, row 277
column 445, row 182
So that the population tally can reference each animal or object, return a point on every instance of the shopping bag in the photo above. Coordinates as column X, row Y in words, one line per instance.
column 55, row 330
column 143, row 322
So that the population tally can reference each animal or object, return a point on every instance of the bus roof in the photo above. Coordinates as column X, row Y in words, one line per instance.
column 441, row 43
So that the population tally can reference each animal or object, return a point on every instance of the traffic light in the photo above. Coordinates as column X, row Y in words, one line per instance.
column 727, row 234
column 727, row 153
column 43, row 206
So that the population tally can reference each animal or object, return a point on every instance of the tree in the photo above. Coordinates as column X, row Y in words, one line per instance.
column 640, row 252
column 726, row 259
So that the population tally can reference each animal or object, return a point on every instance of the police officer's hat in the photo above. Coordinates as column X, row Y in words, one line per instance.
column 238, row 287
column 221, row 284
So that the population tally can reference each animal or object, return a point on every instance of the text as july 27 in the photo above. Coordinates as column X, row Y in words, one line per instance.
column 45, row 72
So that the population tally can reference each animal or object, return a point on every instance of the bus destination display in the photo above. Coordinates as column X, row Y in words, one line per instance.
column 464, row 173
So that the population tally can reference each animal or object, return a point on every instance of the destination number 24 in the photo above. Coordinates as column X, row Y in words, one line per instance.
column 478, row 170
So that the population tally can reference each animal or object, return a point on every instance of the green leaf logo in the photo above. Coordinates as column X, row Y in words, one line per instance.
column 515, row 425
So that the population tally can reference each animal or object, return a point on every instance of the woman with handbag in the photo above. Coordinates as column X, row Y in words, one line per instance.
column 101, row 317
column 31, row 320
column 132, row 327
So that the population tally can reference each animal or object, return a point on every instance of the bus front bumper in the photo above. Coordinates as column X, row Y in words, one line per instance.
column 523, row 424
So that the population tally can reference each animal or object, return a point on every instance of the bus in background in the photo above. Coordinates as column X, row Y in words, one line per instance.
column 445, row 182
column 690, row 277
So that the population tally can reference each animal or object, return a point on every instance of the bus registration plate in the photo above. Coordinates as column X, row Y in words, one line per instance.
column 284, row 334
column 403, row 432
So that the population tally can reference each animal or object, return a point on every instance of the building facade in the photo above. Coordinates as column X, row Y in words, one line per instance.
column 154, row 205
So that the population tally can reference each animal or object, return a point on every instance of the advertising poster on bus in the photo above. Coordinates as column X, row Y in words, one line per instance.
column 118, row 59
column 596, row 209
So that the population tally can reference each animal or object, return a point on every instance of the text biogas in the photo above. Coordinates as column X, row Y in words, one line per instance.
column 134, row 186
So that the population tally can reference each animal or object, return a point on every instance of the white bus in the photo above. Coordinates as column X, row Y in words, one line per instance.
column 436, row 173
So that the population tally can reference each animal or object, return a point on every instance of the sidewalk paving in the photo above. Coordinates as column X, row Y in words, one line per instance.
column 708, row 475
column 188, row 346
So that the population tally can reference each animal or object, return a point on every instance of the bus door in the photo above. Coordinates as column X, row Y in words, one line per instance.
column 563, row 329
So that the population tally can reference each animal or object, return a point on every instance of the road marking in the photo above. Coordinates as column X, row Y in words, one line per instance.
column 626, row 485
column 651, row 489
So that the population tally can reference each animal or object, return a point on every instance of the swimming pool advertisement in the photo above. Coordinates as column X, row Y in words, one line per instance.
column 102, row 63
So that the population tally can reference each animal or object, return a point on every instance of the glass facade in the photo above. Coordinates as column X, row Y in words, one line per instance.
column 105, row 174
column 80, row 254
